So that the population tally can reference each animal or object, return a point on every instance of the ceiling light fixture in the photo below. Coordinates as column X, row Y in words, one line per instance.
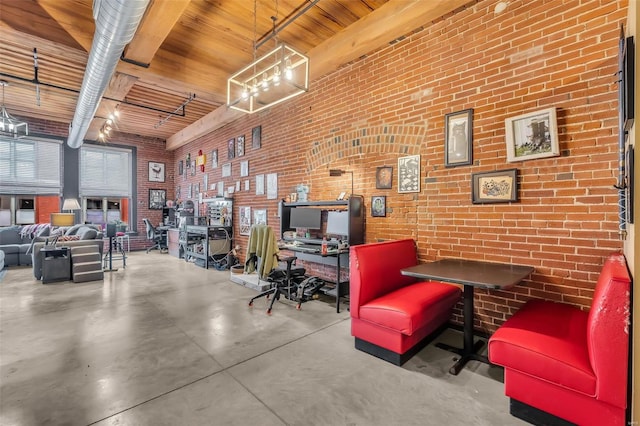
column 260, row 85
column 9, row 125
column 109, row 123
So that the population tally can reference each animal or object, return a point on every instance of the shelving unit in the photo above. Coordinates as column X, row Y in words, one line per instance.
column 213, row 231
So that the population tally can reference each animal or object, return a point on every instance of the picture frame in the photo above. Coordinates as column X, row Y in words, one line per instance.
column 500, row 186
column 231, row 149
column 193, row 167
column 259, row 216
column 226, row 170
column 245, row 220
column 156, row 172
column 256, row 137
column 244, row 168
column 532, row 135
column 629, row 187
column 214, row 159
column 379, row 206
column 384, row 177
column 409, row 174
column 626, row 83
column 157, row 199
column 458, row 138
column 180, row 167
column 240, row 146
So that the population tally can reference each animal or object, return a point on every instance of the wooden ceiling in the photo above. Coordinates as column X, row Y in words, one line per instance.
column 191, row 47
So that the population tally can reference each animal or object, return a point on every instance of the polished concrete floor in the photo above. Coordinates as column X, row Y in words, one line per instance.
column 164, row 342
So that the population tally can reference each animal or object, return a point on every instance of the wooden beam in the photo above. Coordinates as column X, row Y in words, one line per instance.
column 156, row 25
column 389, row 22
column 59, row 11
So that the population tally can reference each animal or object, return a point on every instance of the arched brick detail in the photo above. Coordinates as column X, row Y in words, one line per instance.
column 384, row 139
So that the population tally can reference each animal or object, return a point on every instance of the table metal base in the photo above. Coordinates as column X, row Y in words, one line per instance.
column 473, row 355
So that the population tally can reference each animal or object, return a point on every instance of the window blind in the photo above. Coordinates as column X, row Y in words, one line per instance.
column 30, row 166
column 105, row 172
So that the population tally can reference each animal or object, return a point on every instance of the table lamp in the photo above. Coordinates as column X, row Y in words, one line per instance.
column 66, row 219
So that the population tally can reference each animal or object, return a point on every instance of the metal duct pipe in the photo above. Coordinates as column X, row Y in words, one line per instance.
column 116, row 24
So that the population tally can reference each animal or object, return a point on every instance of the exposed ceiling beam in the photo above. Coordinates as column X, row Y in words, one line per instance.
column 156, row 25
column 389, row 22
column 58, row 11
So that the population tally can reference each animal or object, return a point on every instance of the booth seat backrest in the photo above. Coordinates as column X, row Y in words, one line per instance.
column 608, row 330
column 374, row 270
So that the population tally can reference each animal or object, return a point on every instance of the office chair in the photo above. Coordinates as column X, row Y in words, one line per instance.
column 159, row 237
column 262, row 257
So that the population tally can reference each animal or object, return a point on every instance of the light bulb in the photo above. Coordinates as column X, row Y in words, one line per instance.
column 276, row 76
column 245, row 91
column 265, row 82
column 101, row 136
column 116, row 112
column 288, row 72
column 109, row 121
column 254, row 88
column 112, row 117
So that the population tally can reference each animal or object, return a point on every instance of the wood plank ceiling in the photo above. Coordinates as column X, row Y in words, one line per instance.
column 191, row 48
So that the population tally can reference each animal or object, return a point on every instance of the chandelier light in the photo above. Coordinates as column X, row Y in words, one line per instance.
column 275, row 77
column 10, row 126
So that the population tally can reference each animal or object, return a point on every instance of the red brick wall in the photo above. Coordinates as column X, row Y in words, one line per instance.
column 392, row 103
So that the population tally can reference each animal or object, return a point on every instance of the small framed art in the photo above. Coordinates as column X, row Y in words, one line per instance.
column 494, row 187
column 458, row 138
column 532, row 135
column 409, row 174
column 156, row 172
column 157, row 198
column 240, row 143
column 384, row 177
column 256, row 137
column 231, row 149
column 379, row 206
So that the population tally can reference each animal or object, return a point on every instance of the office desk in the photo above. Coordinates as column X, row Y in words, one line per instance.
column 471, row 274
column 333, row 257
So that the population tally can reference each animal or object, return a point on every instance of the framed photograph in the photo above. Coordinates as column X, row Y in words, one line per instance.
column 180, row 167
column 226, row 170
column 190, row 191
column 458, row 138
column 240, row 142
column 630, row 173
column 231, row 148
column 384, row 177
column 156, row 172
column 409, row 174
column 494, row 187
column 193, row 167
column 244, row 168
column 157, row 198
column 378, row 206
column 272, row 186
column 260, row 216
column 259, row 184
column 256, row 137
column 533, row 135
column 626, row 83
column 214, row 159
column 245, row 220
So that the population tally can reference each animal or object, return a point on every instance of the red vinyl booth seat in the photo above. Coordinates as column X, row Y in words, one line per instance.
column 567, row 362
column 393, row 315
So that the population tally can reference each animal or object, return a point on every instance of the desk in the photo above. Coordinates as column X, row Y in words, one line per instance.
column 470, row 274
column 326, row 259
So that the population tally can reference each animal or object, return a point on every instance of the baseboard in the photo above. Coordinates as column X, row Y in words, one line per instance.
column 535, row 416
column 394, row 357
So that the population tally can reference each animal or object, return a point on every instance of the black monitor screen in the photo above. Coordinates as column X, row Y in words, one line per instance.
column 305, row 218
column 338, row 223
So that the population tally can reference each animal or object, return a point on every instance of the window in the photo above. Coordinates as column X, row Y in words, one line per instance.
column 30, row 166
column 105, row 183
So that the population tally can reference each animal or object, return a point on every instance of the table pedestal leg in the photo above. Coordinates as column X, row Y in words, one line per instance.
column 470, row 349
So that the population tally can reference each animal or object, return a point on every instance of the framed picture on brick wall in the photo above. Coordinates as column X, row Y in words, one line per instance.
column 156, row 172
column 532, row 135
column 409, row 174
column 494, row 187
column 458, row 138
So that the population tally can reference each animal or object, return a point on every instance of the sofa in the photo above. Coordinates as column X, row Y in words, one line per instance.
column 77, row 235
column 394, row 316
column 15, row 242
column 562, row 362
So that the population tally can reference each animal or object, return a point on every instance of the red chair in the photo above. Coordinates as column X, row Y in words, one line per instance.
column 561, row 361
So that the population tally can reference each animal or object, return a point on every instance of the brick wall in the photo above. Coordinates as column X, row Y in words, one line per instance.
column 392, row 103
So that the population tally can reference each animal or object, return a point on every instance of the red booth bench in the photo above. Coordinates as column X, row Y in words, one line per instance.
column 392, row 315
column 561, row 361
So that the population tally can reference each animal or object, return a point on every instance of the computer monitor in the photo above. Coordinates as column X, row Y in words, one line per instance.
column 305, row 218
column 338, row 223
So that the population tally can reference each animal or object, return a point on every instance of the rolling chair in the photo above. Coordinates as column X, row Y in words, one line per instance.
column 262, row 257
column 159, row 237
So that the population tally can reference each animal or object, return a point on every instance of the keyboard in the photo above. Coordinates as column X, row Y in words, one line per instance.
column 305, row 248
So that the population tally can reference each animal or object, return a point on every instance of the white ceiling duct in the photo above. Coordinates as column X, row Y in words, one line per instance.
column 116, row 24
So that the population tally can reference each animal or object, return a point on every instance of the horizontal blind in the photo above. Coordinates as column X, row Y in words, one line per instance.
column 105, row 172
column 30, row 166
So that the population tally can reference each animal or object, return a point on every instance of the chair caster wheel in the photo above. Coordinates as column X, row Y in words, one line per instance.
column 251, row 303
column 268, row 311
column 298, row 307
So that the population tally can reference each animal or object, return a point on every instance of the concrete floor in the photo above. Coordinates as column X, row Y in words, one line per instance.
column 164, row 342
